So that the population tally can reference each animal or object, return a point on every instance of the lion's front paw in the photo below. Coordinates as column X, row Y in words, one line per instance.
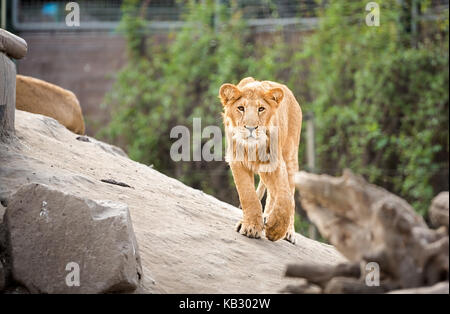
column 275, row 228
column 250, row 230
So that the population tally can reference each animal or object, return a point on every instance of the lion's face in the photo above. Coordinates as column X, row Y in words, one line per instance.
column 248, row 115
column 249, row 111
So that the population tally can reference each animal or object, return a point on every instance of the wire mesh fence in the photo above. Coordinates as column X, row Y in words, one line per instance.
column 101, row 14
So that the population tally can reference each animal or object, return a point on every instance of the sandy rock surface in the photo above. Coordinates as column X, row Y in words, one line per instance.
column 186, row 238
column 439, row 210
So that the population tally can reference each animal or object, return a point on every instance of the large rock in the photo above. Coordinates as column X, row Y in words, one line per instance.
column 52, row 234
column 439, row 210
column 12, row 45
column 187, row 241
column 379, row 232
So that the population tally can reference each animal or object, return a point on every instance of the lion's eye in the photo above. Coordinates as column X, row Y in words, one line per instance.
column 241, row 108
column 261, row 109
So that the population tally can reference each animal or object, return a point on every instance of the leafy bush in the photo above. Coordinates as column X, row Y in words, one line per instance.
column 381, row 105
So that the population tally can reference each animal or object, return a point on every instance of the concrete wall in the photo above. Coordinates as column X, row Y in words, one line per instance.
column 82, row 62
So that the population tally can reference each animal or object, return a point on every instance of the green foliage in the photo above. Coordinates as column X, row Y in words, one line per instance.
column 380, row 104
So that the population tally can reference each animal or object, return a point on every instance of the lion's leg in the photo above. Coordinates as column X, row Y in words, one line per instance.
column 279, row 219
column 290, row 235
column 251, row 224
column 260, row 190
column 292, row 168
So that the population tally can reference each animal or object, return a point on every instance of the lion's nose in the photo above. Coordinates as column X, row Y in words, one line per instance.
column 251, row 129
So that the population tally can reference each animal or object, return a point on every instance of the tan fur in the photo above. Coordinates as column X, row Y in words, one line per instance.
column 37, row 96
column 282, row 112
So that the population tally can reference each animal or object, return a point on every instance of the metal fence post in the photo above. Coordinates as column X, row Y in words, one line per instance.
column 310, row 144
column 311, row 159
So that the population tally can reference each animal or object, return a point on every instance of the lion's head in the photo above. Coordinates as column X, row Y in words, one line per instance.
column 248, row 114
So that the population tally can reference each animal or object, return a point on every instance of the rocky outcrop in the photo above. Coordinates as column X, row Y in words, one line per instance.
column 388, row 245
column 61, row 243
column 12, row 45
column 439, row 210
column 186, row 238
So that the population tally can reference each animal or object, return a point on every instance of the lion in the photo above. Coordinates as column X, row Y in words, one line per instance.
column 37, row 96
column 263, row 121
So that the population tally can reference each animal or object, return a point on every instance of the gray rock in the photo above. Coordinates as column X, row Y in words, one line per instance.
column 12, row 45
column 108, row 148
column 7, row 97
column 439, row 210
column 2, row 213
column 183, row 234
column 54, row 234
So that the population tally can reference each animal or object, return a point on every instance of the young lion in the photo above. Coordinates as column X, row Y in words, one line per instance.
column 37, row 96
column 262, row 125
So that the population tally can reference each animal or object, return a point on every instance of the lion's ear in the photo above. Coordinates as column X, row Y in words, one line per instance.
column 229, row 92
column 275, row 95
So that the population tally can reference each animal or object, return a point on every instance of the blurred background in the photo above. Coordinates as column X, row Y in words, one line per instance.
column 375, row 99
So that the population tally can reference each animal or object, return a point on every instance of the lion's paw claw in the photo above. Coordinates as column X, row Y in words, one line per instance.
column 249, row 230
column 290, row 236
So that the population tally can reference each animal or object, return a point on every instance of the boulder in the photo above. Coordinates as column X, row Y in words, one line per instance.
column 438, row 212
column 389, row 246
column 62, row 243
column 186, row 238
column 12, row 45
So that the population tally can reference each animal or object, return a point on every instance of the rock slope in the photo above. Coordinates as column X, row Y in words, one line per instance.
column 186, row 238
